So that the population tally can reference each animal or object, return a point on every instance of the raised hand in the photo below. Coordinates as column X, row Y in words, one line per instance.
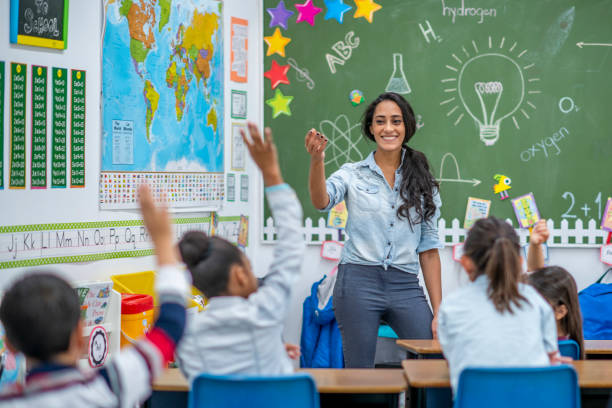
column 539, row 233
column 157, row 221
column 263, row 152
column 315, row 144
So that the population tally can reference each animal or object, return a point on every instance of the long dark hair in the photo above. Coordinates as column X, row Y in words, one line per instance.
column 418, row 184
column 209, row 260
column 493, row 246
column 558, row 287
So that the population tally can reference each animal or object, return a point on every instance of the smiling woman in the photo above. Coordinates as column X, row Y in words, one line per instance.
column 393, row 205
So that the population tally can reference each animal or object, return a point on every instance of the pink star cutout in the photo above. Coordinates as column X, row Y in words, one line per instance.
column 307, row 12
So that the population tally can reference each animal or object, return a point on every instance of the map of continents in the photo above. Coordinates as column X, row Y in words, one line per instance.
column 162, row 86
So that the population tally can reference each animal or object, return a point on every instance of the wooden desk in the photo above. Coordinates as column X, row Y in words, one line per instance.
column 358, row 381
column 430, row 378
column 434, row 373
column 382, row 387
column 592, row 348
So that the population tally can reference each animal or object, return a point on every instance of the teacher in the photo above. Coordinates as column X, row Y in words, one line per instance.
column 393, row 205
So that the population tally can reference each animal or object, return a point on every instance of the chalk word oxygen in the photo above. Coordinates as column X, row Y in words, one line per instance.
column 467, row 12
column 545, row 144
column 344, row 49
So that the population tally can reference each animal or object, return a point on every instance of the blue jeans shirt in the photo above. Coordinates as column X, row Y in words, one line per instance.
column 376, row 235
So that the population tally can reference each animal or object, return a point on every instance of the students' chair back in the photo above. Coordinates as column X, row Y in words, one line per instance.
column 569, row 348
column 552, row 386
column 229, row 391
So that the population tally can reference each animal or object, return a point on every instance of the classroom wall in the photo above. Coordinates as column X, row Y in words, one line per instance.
column 24, row 207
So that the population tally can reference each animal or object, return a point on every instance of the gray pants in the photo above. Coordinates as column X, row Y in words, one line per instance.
column 364, row 295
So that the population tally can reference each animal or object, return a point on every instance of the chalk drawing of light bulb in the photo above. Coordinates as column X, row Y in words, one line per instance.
column 491, row 86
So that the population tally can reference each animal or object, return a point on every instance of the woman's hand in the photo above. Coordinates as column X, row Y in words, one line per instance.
column 293, row 351
column 315, row 145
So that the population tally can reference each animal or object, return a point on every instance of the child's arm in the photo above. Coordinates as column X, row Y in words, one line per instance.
column 272, row 298
column 535, row 253
column 131, row 373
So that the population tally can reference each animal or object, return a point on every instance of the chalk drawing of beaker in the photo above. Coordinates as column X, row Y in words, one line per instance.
column 397, row 82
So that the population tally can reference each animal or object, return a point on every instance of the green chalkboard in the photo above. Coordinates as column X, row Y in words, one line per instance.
column 538, row 71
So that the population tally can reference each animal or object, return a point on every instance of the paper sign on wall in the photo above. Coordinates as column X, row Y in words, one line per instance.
column 606, row 254
column 526, row 210
column 476, row 209
column 606, row 220
column 240, row 47
column 331, row 250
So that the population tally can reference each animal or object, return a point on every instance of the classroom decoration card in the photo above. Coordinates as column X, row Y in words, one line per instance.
column 238, row 147
column 606, row 219
column 331, row 250
column 162, row 112
column 476, row 209
column 239, row 104
column 239, row 50
column 39, row 23
column 95, row 301
column 243, row 232
column 458, row 251
column 605, row 254
column 526, row 210
column 337, row 216
column 98, row 347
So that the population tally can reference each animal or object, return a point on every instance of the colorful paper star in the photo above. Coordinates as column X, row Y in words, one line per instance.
column 336, row 9
column 366, row 9
column 279, row 15
column 277, row 74
column 279, row 104
column 276, row 43
column 307, row 12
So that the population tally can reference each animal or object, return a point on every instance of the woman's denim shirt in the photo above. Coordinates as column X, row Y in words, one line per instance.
column 376, row 235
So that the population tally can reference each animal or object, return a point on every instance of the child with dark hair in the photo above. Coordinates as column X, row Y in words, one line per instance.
column 240, row 331
column 557, row 286
column 495, row 320
column 41, row 317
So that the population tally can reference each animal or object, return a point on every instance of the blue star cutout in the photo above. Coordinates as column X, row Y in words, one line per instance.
column 279, row 15
column 336, row 9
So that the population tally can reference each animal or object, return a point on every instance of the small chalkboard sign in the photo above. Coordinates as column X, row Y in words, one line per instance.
column 42, row 23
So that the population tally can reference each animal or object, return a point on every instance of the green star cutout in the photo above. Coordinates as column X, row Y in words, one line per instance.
column 279, row 104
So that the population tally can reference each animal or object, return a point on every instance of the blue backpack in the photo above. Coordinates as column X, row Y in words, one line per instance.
column 596, row 306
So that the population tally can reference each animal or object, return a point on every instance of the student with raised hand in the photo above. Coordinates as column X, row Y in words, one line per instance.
column 557, row 286
column 240, row 331
column 393, row 205
column 495, row 320
column 41, row 316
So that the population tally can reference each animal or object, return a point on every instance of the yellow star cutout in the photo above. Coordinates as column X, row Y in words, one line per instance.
column 366, row 9
column 276, row 43
column 279, row 104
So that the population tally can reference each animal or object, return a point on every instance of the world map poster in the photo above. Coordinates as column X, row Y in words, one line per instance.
column 162, row 102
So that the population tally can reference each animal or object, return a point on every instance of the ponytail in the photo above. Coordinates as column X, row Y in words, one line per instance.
column 503, row 268
column 494, row 248
column 209, row 260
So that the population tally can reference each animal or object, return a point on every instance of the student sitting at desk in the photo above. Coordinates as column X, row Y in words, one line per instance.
column 240, row 331
column 41, row 316
column 495, row 320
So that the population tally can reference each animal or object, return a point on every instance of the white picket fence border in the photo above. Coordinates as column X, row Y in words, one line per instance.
column 580, row 237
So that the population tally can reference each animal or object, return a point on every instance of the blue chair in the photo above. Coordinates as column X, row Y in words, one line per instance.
column 228, row 391
column 569, row 348
column 524, row 387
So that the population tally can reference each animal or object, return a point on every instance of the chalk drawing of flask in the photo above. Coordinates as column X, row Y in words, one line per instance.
column 397, row 82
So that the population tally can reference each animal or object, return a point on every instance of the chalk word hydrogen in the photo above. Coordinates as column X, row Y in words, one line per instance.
column 463, row 11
